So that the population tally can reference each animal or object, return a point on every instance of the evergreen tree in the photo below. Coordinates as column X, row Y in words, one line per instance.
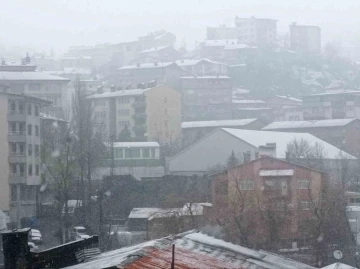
column 232, row 161
column 125, row 135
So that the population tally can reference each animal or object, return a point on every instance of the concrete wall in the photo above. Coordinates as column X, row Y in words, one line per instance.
column 4, row 165
column 208, row 152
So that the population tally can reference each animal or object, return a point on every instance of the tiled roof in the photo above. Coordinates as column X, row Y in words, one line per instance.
column 193, row 250
column 216, row 123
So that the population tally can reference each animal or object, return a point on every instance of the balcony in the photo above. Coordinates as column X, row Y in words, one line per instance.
column 17, row 136
column 16, row 116
column 17, row 158
column 17, row 178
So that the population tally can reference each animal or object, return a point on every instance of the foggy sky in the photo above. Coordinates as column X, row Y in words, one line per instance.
column 45, row 24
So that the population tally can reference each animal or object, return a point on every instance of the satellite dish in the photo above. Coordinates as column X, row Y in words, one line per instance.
column 338, row 254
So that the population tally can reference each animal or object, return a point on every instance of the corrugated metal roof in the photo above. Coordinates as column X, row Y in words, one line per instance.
column 282, row 139
column 26, row 76
column 192, row 250
column 216, row 123
column 308, row 124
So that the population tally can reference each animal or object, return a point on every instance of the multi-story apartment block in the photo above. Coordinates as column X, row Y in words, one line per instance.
column 337, row 105
column 151, row 114
column 23, row 79
column 206, row 97
column 202, row 67
column 274, row 185
column 221, row 32
column 20, row 159
column 162, row 72
column 305, row 38
column 256, row 31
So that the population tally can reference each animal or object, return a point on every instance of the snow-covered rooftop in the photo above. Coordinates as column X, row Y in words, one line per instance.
column 237, row 46
column 135, row 144
column 205, row 77
column 190, row 62
column 335, row 93
column 244, row 101
column 216, row 123
column 261, row 138
column 119, row 93
column 220, row 42
column 290, row 98
column 29, row 76
column 154, row 49
column 146, row 65
column 308, row 124
column 193, row 250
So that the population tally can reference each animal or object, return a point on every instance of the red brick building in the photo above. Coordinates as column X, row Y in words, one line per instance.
column 271, row 198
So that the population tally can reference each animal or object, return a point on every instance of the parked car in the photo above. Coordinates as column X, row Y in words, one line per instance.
column 78, row 233
column 35, row 236
column 33, row 247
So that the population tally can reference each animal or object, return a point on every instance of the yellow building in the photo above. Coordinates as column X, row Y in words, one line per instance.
column 150, row 114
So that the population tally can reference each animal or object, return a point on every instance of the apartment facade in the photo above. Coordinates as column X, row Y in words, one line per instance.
column 305, row 38
column 151, row 114
column 21, row 165
column 339, row 105
column 283, row 188
column 23, row 79
column 256, row 31
column 206, row 97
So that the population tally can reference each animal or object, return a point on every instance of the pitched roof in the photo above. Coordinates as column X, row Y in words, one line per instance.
column 282, row 139
column 216, row 123
column 248, row 101
column 147, row 65
column 192, row 250
column 289, row 98
column 204, row 77
column 154, row 49
column 29, row 76
column 119, row 93
column 189, row 62
column 308, row 124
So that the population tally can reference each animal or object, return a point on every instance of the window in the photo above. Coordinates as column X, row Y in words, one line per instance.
column 22, row 128
column 29, row 129
column 13, row 107
column 37, row 150
column 36, row 130
column 123, row 112
column 246, row 185
column 29, row 110
column 21, row 107
column 355, row 200
column 146, row 153
column 135, row 153
column 23, row 192
column 303, row 184
column 36, row 111
column 13, row 168
column 124, row 100
column 30, row 150
column 37, row 170
column 118, row 153
column 22, row 169
column 21, row 148
column 30, row 169
column 13, row 193
column 152, row 153
column 305, row 205
column 13, row 128
column 127, row 153
column 13, row 148
column 124, row 123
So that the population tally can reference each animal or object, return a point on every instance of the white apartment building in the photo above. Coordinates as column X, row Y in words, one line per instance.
column 256, row 31
column 20, row 165
column 23, row 79
column 305, row 38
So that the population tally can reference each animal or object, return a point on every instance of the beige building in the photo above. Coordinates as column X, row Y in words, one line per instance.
column 20, row 170
column 305, row 38
column 151, row 114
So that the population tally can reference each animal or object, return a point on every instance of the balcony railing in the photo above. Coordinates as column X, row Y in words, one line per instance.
column 17, row 178
column 17, row 133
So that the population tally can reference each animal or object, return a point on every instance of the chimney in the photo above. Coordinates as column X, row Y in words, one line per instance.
column 100, row 89
column 27, row 58
column 113, row 88
column 268, row 150
column 138, row 64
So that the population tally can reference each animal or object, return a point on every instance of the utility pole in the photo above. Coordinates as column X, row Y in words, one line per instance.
column 112, row 155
